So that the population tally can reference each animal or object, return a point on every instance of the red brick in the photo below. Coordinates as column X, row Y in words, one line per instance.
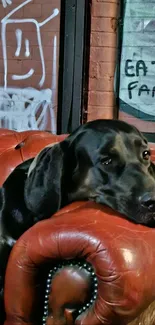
column 98, row 98
column 102, row 54
column 103, row 39
column 48, row 38
column 2, row 11
column 48, row 53
column 32, row 11
column 31, row 64
column 104, row 84
column 96, row 112
column 1, row 66
column 36, row 65
column 47, row 9
column 15, row 83
column 56, row 3
column 11, row 54
column 1, row 79
column 105, row 9
column 30, row 27
column 15, row 2
column 52, row 26
column 104, row 24
column 5, row 11
column 15, row 66
column 32, row 37
column 33, row 82
column 11, row 39
column 106, row 69
column 93, row 70
column 115, row 1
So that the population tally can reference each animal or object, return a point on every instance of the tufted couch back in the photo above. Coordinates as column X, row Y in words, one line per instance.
column 152, row 146
column 16, row 147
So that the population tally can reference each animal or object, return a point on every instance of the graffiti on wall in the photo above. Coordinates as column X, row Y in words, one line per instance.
column 26, row 107
column 5, row 3
column 137, row 73
column 137, row 69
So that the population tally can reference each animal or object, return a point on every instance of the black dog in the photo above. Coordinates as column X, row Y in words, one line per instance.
column 105, row 161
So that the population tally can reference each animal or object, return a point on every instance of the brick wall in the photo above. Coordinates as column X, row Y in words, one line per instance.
column 103, row 46
column 25, row 28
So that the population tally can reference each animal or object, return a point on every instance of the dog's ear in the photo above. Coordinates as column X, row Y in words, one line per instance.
column 49, row 177
column 43, row 185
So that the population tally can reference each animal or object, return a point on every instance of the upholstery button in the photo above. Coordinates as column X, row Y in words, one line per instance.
column 20, row 145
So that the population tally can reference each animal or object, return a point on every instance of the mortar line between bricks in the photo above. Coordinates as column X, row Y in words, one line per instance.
column 103, row 32
column 111, row 47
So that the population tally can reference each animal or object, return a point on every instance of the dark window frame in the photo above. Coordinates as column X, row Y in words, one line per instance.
column 73, row 64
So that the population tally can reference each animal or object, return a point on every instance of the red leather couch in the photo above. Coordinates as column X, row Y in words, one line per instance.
column 85, row 266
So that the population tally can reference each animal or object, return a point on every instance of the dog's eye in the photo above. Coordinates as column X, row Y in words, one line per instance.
column 106, row 161
column 146, row 154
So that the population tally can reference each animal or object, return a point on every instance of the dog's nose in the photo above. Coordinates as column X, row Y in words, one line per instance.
column 148, row 201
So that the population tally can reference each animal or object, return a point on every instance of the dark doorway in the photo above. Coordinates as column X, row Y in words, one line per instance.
column 74, row 61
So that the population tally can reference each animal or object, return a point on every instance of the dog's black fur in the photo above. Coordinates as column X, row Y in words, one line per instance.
column 105, row 161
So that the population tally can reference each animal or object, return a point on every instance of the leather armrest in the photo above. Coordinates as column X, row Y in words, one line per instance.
column 121, row 253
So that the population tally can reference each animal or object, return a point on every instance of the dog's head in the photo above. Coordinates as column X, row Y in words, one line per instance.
column 105, row 161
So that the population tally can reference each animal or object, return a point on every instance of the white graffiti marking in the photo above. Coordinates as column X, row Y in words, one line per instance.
column 5, row 3
column 15, row 9
column 55, row 13
column 6, row 21
column 19, row 108
column 27, row 48
column 24, row 76
column 19, row 41
column 19, row 44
